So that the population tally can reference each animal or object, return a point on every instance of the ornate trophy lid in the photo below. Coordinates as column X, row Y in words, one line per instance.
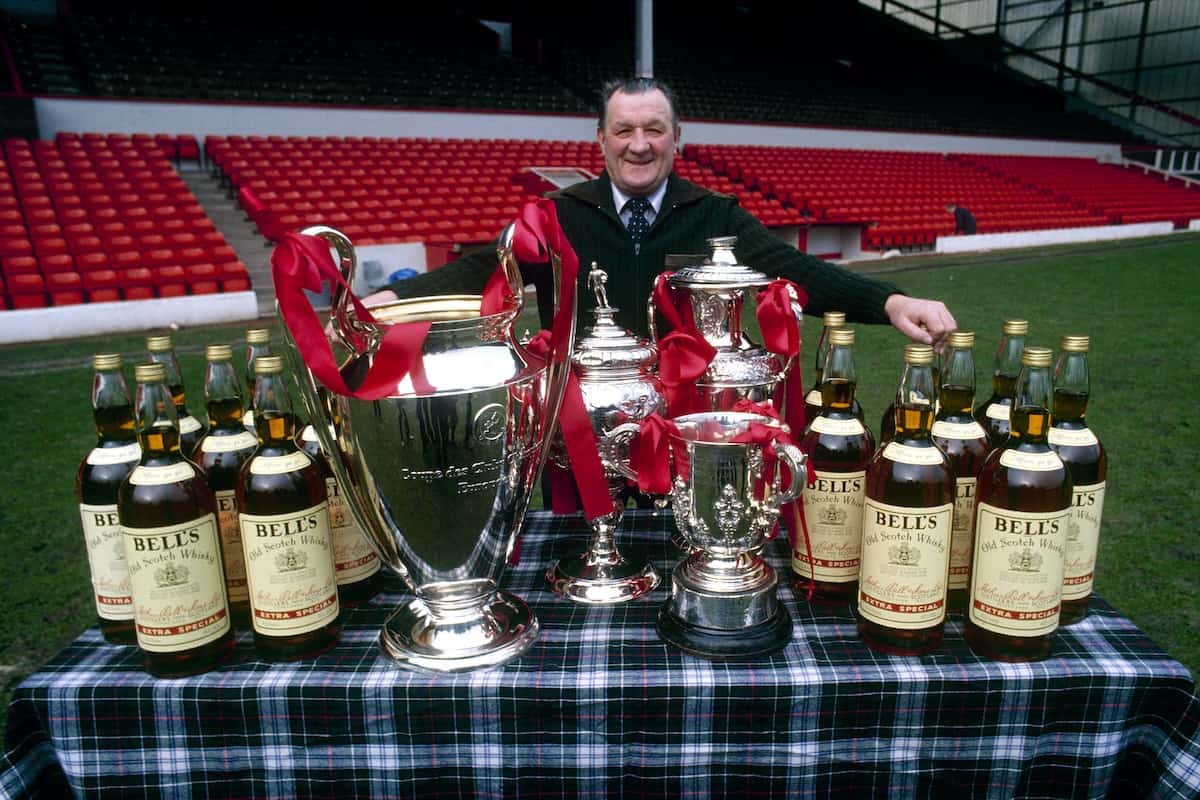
column 605, row 346
column 719, row 271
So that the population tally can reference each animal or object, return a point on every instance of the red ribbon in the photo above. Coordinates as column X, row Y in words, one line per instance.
column 302, row 262
column 781, row 335
column 683, row 358
column 652, row 458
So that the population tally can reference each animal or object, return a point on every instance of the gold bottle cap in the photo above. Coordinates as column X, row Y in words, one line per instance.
column 918, row 354
column 218, row 352
column 268, row 365
column 963, row 340
column 159, row 344
column 258, row 336
column 106, row 361
column 150, row 373
column 1036, row 357
column 833, row 319
column 841, row 336
column 1016, row 327
column 1076, row 344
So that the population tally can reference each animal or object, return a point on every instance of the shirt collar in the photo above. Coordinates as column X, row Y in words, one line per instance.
column 656, row 198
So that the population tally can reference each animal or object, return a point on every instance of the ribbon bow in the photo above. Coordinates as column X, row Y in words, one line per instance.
column 781, row 335
column 652, row 458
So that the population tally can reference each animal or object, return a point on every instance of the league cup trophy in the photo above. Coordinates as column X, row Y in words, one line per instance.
column 730, row 473
column 440, row 466
column 619, row 389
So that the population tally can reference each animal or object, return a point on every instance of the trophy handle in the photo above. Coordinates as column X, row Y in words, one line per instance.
column 614, row 448
column 797, row 463
column 353, row 333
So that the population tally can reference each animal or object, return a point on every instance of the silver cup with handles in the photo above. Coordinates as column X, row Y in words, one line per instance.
column 439, row 473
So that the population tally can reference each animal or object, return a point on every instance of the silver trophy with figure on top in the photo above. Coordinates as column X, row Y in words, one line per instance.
column 440, row 470
column 619, row 388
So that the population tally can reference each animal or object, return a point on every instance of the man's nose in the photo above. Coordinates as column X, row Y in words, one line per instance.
column 639, row 142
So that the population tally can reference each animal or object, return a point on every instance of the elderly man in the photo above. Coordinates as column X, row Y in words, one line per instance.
column 639, row 211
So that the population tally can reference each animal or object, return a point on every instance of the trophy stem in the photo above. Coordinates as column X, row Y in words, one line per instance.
column 601, row 575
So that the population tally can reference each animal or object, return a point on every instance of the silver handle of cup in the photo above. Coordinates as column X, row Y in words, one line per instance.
column 614, row 448
column 353, row 333
column 797, row 463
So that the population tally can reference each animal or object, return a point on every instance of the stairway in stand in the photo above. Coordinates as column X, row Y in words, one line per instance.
column 239, row 232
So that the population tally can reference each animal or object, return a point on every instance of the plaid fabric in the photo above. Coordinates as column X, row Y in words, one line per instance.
column 599, row 707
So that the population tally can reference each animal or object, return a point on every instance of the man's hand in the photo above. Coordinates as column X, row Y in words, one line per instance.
column 924, row 321
column 379, row 298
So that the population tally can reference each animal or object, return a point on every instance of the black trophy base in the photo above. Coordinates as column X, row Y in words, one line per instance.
column 721, row 644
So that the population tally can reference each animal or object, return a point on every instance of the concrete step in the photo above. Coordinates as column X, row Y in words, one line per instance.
column 241, row 234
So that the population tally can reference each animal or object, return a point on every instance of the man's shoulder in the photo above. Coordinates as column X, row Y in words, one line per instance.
column 679, row 190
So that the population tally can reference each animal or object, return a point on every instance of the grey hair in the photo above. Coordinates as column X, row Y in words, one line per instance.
column 636, row 86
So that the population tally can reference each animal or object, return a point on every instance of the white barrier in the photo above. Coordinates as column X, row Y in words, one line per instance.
column 1194, row 225
column 91, row 319
column 1002, row 241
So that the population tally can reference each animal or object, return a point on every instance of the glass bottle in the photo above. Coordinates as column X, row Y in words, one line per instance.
column 907, row 522
column 221, row 453
column 172, row 544
column 812, row 401
column 285, row 531
column 258, row 343
column 839, row 447
column 1082, row 452
column 887, row 422
column 965, row 443
column 96, row 484
column 357, row 565
column 1022, row 511
column 993, row 413
column 162, row 351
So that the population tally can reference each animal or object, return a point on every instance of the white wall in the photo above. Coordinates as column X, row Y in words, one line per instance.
column 199, row 119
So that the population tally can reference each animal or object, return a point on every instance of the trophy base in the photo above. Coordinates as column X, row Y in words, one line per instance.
column 494, row 634
column 585, row 580
column 719, row 644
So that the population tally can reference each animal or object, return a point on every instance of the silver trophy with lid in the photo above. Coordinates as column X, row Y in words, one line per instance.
column 620, row 389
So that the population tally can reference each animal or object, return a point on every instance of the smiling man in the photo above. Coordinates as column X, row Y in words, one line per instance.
column 639, row 211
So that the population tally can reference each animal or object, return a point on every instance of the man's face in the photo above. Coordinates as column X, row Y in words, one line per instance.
column 638, row 141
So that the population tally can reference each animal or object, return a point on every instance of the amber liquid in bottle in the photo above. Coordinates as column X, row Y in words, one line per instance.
column 1023, row 502
column 966, row 454
column 162, row 351
column 906, row 539
column 286, row 534
column 96, row 486
column 1087, row 462
column 178, row 515
column 358, row 567
column 993, row 413
column 833, row 505
column 220, row 454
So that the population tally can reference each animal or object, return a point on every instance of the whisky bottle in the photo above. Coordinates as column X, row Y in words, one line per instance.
column 812, row 401
column 1082, row 452
column 887, row 422
column 172, row 544
column 355, row 561
column 285, row 531
column 258, row 343
column 907, row 520
column 162, row 351
column 965, row 443
column 1022, row 511
column 839, row 447
column 221, row 453
column 96, row 484
column 993, row 413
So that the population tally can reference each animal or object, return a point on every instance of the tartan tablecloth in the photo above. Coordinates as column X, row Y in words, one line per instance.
column 600, row 707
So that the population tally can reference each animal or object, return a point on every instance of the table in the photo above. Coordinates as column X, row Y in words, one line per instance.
column 599, row 707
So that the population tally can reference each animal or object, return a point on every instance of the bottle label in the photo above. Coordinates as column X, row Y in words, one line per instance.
column 289, row 562
column 919, row 456
column 1016, row 582
column 962, row 537
column 248, row 420
column 106, row 558
column 999, row 411
column 838, row 427
column 231, row 541
column 1083, row 538
column 353, row 557
column 105, row 456
column 833, row 512
column 277, row 465
column 188, row 424
column 227, row 444
column 157, row 476
column 1072, row 437
column 813, row 398
column 905, row 554
column 964, row 431
column 178, row 585
column 1035, row 462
